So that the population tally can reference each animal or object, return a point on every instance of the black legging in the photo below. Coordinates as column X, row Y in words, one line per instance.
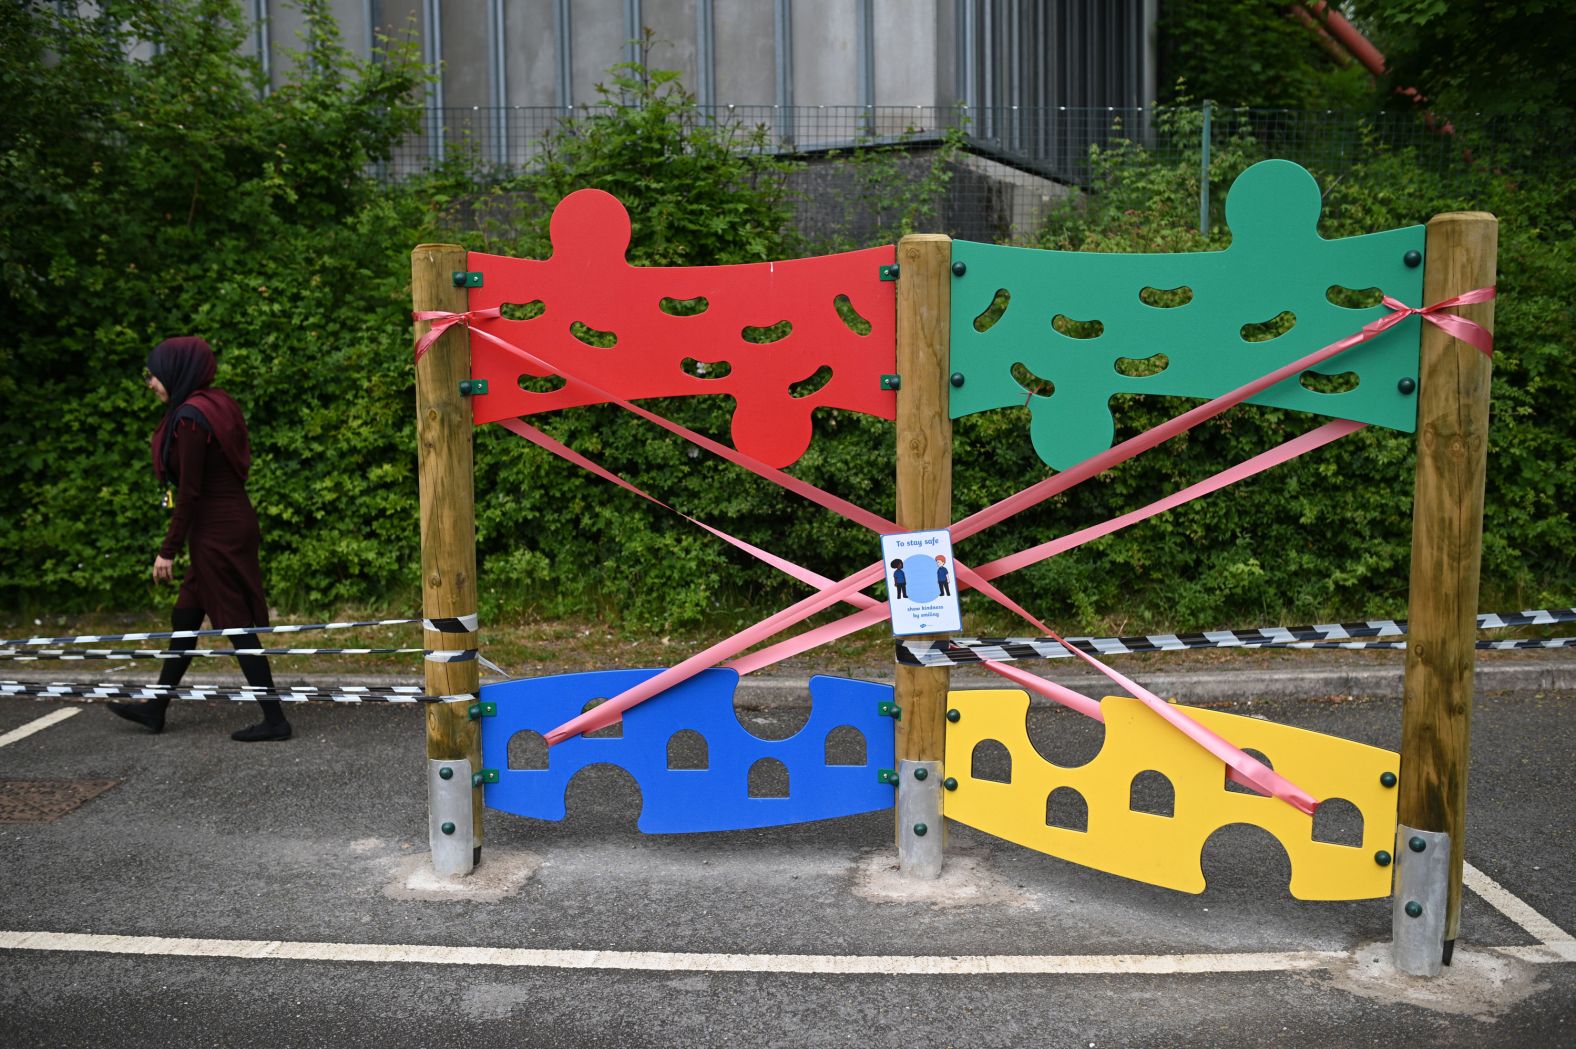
column 254, row 667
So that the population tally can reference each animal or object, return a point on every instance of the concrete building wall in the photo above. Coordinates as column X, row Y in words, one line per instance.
column 531, row 53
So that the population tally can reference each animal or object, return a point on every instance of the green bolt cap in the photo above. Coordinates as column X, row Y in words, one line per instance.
column 1387, row 779
column 921, row 773
column 959, row 269
column 953, row 715
column 447, row 828
column 1417, row 844
column 445, row 773
column 920, row 829
column 1382, row 858
column 950, row 783
column 1414, row 909
column 957, row 379
column 1407, row 386
column 1413, row 259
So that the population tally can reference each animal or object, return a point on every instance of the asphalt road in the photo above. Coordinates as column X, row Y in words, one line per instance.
column 321, row 842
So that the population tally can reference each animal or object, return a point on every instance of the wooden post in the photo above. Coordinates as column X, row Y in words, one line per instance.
column 448, row 520
column 924, row 491
column 1447, row 543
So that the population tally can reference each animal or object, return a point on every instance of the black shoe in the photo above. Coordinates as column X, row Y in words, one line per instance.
column 266, row 732
column 147, row 714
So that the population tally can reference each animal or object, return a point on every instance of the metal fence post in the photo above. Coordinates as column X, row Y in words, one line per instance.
column 1203, row 172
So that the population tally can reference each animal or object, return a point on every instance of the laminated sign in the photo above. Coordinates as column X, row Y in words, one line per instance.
column 920, row 576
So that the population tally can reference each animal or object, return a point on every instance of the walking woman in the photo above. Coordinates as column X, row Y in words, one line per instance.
column 201, row 448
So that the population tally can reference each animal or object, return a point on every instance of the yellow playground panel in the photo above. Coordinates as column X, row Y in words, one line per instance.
column 1166, row 850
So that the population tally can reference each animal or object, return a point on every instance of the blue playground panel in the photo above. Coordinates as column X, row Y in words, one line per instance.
column 677, row 801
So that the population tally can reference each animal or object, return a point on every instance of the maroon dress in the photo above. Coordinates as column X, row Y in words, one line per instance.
column 215, row 521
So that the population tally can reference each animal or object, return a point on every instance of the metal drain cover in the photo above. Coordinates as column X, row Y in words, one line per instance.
column 46, row 800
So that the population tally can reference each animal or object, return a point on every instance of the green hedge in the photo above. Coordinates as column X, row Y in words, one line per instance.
column 160, row 197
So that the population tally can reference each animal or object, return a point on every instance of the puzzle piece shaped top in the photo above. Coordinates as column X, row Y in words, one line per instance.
column 1087, row 325
column 781, row 338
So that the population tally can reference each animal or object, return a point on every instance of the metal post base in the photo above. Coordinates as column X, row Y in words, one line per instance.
column 919, row 830
column 454, row 849
column 1422, row 893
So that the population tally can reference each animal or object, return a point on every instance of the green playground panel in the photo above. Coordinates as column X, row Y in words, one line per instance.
column 1277, row 262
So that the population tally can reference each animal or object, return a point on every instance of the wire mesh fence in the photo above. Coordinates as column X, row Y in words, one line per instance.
column 1005, row 168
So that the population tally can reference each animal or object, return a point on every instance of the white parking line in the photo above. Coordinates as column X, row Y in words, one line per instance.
column 38, row 725
column 666, row 961
column 1500, row 898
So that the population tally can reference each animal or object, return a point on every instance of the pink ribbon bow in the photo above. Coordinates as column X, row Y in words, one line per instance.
column 442, row 319
column 1456, row 326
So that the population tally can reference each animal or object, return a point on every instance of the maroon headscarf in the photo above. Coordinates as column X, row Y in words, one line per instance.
column 185, row 366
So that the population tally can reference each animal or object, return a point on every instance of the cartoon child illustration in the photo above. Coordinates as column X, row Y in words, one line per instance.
column 941, row 576
column 899, row 580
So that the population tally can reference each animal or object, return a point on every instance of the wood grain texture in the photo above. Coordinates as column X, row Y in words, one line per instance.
column 924, row 456
column 448, row 520
column 1447, row 543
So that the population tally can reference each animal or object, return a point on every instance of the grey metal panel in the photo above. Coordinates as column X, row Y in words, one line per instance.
column 746, row 52
column 531, row 55
column 672, row 24
column 1422, row 883
column 449, row 816
column 919, row 827
column 600, row 43
column 464, row 40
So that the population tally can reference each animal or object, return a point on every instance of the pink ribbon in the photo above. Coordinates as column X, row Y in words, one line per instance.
column 442, row 320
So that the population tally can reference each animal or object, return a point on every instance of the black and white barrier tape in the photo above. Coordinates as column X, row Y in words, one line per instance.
column 295, row 694
column 25, row 655
column 942, row 652
column 444, row 625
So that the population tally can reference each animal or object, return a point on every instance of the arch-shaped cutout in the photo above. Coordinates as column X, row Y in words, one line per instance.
column 687, row 751
column 768, row 779
column 1076, row 329
column 845, row 745
column 1165, row 298
column 706, row 369
column 1353, row 298
column 541, row 383
column 1341, row 382
column 781, row 723
column 527, row 751
column 522, row 311
column 1142, row 367
column 850, row 316
column 1153, row 794
column 812, row 383
column 767, row 333
column 1242, row 788
column 684, row 307
column 993, row 313
column 1274, row 328
column 613, row 731
column 1066, row 809
column 602, row 340
column 1036, row 386
column 1245, row 860
column 991, row 760
column 1338, row 822
column 604, row 797
column 1065, row 739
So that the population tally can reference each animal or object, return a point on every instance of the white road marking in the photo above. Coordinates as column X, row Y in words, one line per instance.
column 39, row 725
column 667, row 961
column 1500, row 898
